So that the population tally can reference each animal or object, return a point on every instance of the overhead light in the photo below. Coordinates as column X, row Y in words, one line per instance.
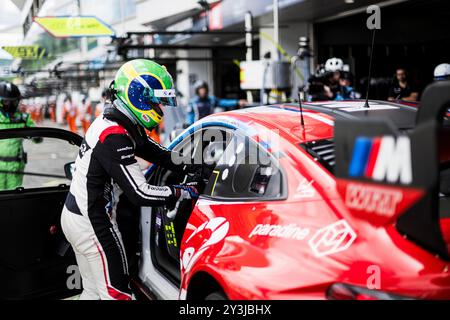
column 349, row 1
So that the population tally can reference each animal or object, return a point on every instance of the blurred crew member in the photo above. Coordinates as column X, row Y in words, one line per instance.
column 32, row 110
column 52, row 109
column 106, row 168
column 70, row 111
column 345, row 91
column 203, row 104
column 101, row 106
column 333, row 68
column 442, row 72
column 85, row 114
column 39, row 114
column 401, row 88
column 12, row 155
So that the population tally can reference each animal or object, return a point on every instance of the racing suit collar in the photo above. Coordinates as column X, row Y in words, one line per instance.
column 119, row 106
column 115, row 114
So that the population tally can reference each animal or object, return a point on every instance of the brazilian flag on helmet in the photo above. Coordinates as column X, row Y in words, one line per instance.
column 143, row 86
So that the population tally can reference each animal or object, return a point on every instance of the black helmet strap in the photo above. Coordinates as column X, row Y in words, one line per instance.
column 111, row 92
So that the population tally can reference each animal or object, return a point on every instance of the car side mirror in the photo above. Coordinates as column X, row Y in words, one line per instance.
column 69, row 169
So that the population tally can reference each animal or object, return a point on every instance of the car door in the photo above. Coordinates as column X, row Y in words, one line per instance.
column 160, row 261
column 35, row 259
column 247, row 187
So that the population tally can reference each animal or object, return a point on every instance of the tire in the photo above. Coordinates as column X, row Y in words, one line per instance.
column 218, row 295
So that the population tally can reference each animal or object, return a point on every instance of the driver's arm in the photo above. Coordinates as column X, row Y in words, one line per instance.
column 117, row 157
column 155, row 153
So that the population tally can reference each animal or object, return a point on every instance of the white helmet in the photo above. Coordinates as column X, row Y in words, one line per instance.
column 442, row 72
column 334, row 64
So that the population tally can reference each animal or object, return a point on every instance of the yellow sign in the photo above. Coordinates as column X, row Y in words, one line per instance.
column 26, row 52
column 75, row 26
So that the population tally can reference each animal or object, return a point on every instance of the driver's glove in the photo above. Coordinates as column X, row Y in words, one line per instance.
column 187, row 191
column 182, row 192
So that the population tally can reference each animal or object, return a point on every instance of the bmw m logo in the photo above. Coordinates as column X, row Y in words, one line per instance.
column 382, row 158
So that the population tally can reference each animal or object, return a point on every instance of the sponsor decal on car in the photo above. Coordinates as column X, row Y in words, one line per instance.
column 332, row 239
column 218, row 228
column 291, row 231
column 385, row 158
column 372, row 199
column 305, row 190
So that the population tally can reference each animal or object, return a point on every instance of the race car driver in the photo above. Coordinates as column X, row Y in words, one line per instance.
column 106, row 167
column 12, row 155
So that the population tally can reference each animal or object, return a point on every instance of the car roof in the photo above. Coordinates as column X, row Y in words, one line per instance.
column 402, row 115
column 319, row 117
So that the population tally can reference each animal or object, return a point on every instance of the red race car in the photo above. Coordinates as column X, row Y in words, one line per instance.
column 347, row 203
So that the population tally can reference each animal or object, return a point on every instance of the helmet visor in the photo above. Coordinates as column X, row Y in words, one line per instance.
column 165, row 97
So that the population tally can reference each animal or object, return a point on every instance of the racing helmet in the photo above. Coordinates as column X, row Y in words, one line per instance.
column 9, row 97
column 143, row 86
column 200, row 84
column 334, row 64
column 442, row 72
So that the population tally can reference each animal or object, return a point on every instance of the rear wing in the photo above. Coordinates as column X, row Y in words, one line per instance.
column 388, row 176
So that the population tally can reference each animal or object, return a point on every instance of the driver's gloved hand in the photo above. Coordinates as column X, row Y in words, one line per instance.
column 181, row 193
column 185, row 192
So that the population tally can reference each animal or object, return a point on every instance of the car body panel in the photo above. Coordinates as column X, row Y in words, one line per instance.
column 222, row 237
column 148, row 274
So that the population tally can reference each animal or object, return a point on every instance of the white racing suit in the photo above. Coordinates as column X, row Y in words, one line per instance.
column 106, row 167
